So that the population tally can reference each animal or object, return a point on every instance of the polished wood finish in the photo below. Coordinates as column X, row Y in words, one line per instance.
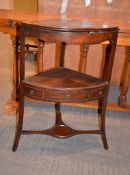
column 30, row 5
column 124, row 83
column 63, row 85
column 117, row 13
column 105, row 14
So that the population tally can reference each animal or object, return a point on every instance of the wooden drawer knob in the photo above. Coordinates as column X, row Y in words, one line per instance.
column 31, row 92
column 100, row 92
column 68, row 95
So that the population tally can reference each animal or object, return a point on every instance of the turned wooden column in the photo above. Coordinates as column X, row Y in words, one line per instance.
column 40, row 65
column 11, row 105
column 83, row 57
column 124, row 83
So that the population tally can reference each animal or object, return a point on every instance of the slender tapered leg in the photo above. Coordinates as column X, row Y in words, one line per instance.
column 124, row 83
column 19, row 123
column 101, row 119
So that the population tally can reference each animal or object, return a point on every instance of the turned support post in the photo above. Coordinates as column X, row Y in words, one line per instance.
column 124, row 83
column 83, row 57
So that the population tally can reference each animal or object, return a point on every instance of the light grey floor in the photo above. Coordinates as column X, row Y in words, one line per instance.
column 79, row 155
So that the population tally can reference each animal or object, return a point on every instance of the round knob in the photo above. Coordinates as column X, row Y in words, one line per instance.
column 68, row 95
column 31, row 92
column 100, row 92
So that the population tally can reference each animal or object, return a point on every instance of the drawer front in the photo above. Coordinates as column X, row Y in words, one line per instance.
column 66, row 96
column 33, row 92
column 97, row 93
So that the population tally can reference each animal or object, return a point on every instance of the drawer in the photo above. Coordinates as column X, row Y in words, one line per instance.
column 33, row 92
column 66, row 96
column 97, row 93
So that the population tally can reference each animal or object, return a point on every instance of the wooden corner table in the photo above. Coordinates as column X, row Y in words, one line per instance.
column 8, row 19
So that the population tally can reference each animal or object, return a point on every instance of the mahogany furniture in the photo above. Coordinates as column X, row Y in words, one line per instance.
column 61, row 84
column 116, row 13
column 104, row 15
